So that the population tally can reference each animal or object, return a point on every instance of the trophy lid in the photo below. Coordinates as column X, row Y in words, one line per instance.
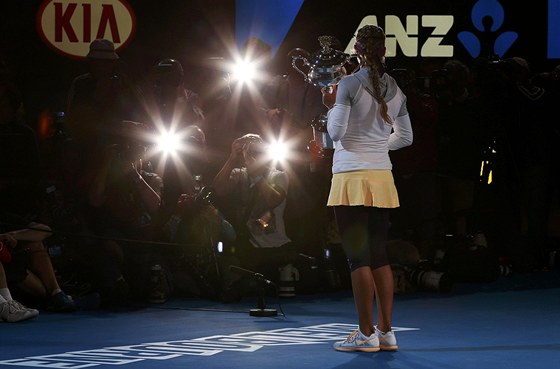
column 327, row 57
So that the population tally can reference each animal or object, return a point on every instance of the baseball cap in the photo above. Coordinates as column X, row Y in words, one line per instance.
column 102, row 49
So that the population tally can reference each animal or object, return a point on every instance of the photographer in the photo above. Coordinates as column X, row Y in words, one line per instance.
column 20, row 161
column 529, row 137
column 185, row 169
column 187, row 195
column 168, row 99
column 123, row 199
column 99, row 99
column 459, row 135
column 257, row 194
column 190, row 218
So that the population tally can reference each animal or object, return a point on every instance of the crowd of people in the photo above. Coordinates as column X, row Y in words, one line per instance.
column 491, row 141
column 141, row 222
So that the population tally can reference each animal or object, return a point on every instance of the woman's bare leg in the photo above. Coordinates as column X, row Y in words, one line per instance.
column 384, row 288
column 363, row 289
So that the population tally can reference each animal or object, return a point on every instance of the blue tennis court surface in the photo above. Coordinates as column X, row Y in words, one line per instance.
column 511, row 323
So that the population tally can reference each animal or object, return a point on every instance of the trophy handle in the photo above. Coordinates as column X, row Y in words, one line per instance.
column 301, row 55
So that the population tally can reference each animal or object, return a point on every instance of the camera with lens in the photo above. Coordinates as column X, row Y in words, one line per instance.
column 403, row 76
column 131, row 140
column 439, row 79
column 169, row 72
column 426, row 278
column 496, row 64
column 256, row 151
column 204, row 196
column 492, row 67
column 130, row 152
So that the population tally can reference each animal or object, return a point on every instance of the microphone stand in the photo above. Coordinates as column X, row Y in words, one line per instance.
column 261, row 310
column 262, row 282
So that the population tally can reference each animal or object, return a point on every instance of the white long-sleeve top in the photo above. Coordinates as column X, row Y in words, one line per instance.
column 361, row 137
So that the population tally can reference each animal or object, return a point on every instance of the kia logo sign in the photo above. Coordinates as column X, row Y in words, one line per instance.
column 69, row 26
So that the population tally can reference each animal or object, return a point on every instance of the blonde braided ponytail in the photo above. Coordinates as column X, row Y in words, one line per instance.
column 369, row 41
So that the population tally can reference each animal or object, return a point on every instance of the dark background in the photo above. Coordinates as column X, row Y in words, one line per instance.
column 192, row 31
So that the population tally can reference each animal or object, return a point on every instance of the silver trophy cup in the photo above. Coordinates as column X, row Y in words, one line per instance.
column 325, row 66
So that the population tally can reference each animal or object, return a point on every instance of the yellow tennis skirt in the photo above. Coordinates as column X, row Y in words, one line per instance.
column 364, row 187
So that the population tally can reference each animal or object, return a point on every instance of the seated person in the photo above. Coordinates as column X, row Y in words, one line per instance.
column 30, row 269
column 257, row 194
column 11, row 311
column 123, row 199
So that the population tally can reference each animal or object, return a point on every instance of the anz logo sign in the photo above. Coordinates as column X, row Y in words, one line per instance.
column 483, row 35
column 487, row 17
column 487, row 36
column 407, row 36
